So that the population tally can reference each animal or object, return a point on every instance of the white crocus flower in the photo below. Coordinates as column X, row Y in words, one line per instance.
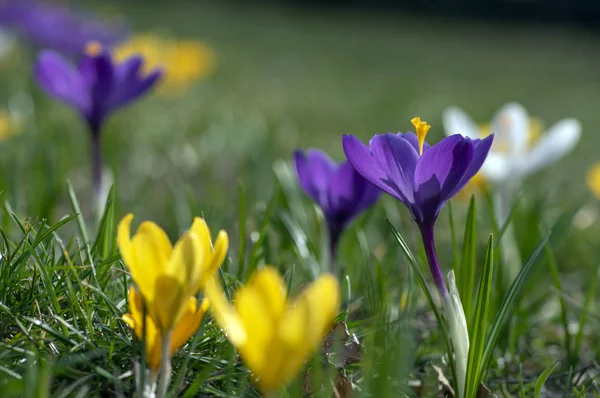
column 515, row 153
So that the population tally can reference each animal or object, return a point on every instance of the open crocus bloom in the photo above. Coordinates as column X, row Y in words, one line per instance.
column 424, row 178
column 340, row 191
column 514, row 154
column 168, row 275
column 98, row 86
column 186, row 326
column 273, row 336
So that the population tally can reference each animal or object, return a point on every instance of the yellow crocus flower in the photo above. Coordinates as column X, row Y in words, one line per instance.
column 273, row 336
column 188, row 324
column 184, row 61
column 165, row 275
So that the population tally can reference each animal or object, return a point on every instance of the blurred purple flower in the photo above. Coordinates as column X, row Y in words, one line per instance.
column 50, row 26
column 96, row 88
column 424, row 178
column 339, row 190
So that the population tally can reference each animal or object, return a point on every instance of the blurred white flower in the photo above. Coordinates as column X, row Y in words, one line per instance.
column 516, row 151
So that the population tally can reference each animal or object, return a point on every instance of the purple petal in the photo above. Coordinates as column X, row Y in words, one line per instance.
column 363, row 161
column 315, row 170
column 304, row 176
column 439, row 171
column 61, row 80
column 131, row 83
column 98, row 74
column 398, row 158
column 481, row 149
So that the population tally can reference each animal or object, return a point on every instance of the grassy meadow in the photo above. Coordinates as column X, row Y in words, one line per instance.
column 288, row 78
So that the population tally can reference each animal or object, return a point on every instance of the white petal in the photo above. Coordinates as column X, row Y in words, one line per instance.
column 560, row 139
column 511, row 128
column 497, row 167
column 457, row 122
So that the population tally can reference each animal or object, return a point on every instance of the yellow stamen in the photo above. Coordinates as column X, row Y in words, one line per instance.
column 93, row 48
column 422, row 128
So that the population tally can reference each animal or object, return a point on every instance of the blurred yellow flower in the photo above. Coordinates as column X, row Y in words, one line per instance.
column 165, row 275
column 593, row 179
column 184, row 61
column 184, row 329
column 273, row 336
column 9, row 125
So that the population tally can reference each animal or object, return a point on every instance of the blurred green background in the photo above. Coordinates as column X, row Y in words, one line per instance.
column 299, row 76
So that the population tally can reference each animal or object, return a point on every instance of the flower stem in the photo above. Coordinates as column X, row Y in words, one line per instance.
column 427, row 234
column 96, row 164
column 165, row 363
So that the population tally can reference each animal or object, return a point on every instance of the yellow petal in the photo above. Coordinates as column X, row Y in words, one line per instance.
column 170, row 302
column 189, row 323
column 224, row 313
column 152, row 251
column 271, row 290
column 135, row 321
column 218, row 255
column 185, row 264
column 213, row 257
column 322, row 298
column 124, row 240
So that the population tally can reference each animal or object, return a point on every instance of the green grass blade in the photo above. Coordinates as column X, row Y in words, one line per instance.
column 561, row 300
column 258, row 245
column 77, row 211
column 480, row 323
column 466, row 278
column 455, row 264
column 589, row 299
column 541, row 380
column 421, row 279
column 510, row 301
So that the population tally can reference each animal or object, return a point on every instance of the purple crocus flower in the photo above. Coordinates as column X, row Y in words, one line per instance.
column 96, row 88
column 422, row 177
column 50, row 26
column 339, row 190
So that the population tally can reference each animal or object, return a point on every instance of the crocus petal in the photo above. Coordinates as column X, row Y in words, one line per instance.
column 61, row 80
column 438, row 172
column 560, row 139
column 323, row 300
column 186, row 262
column 224, row 313
column 213, row 256
column 343, row 192
column 189, row 323
column 321, row 169
column 398, row 159
column 304, row 176
column 511, row 126
column 481, row 149
column 363, row 161
column 152, row 250
column 133, row 85
column 458, row 122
